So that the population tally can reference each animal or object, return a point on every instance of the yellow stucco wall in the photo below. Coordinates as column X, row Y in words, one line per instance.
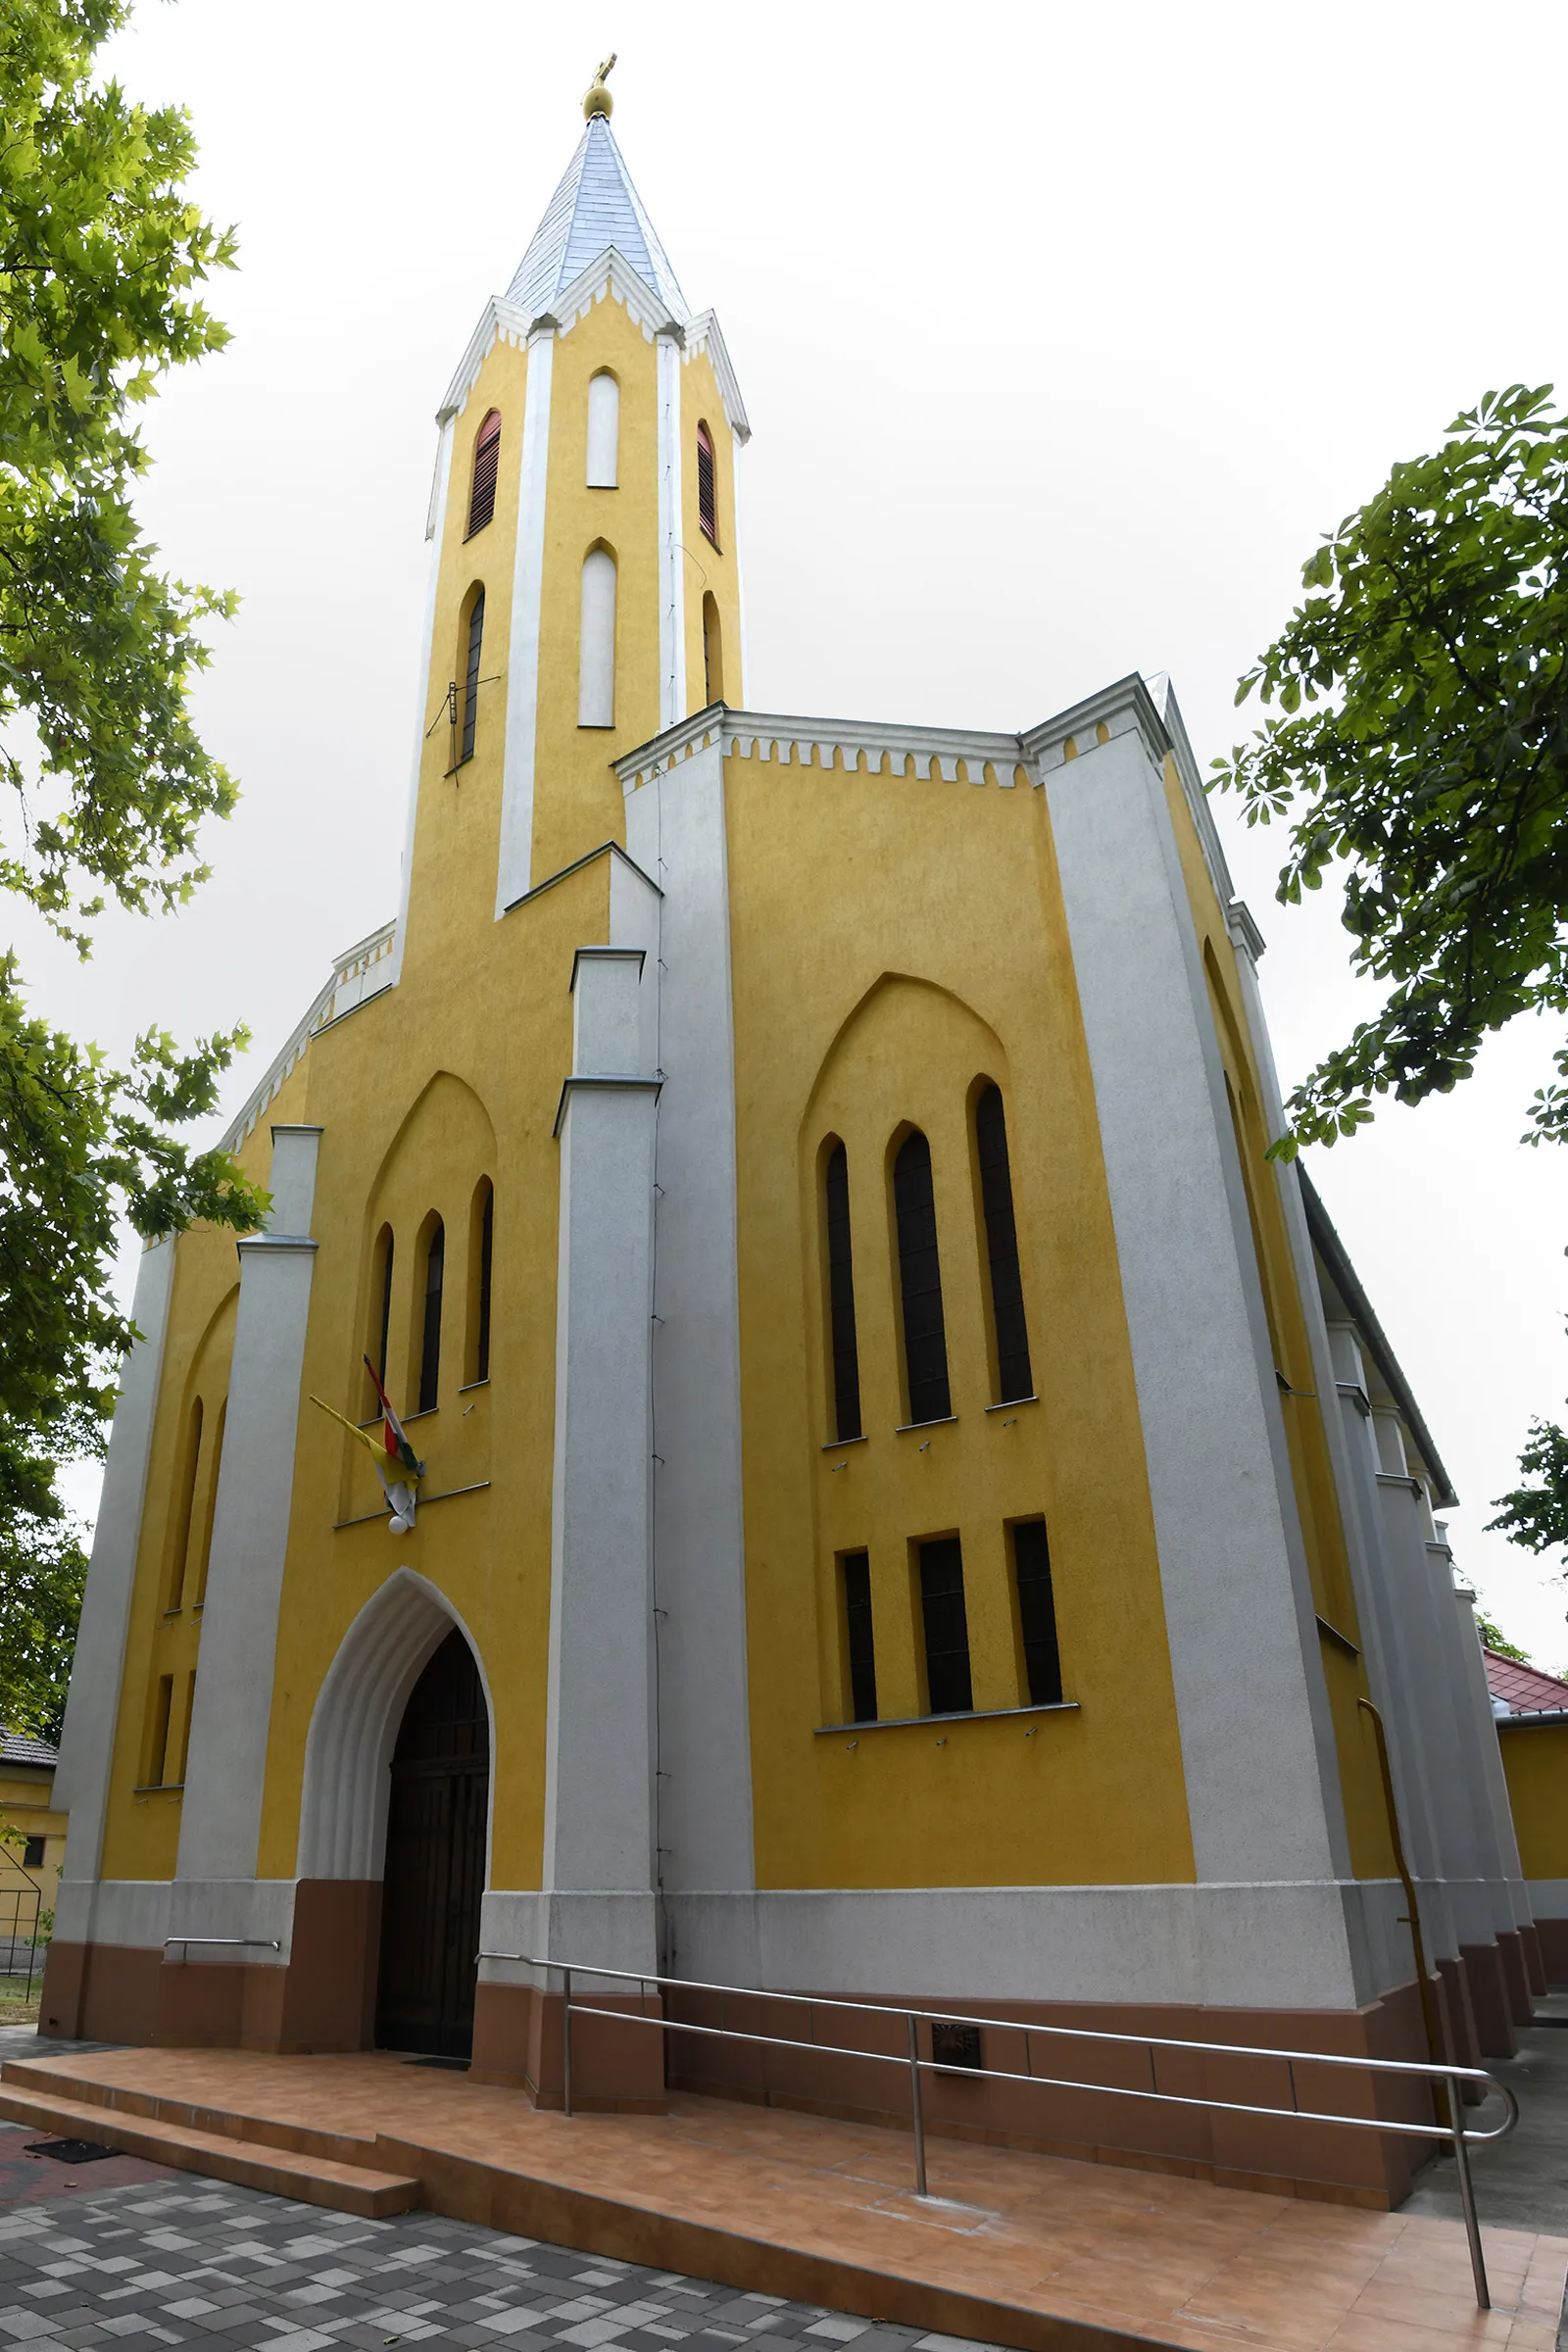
column 1535, row 1759
column 870, row 990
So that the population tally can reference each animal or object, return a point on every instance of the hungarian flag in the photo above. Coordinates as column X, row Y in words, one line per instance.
column 395, row 1435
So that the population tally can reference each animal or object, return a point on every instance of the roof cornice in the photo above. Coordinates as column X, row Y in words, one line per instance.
column 704, row 335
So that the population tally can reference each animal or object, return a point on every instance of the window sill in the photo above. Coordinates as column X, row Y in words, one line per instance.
column 942, row 1421
column 903, row 1723
column 424, row 1414
column 423, row 1502
column 1010, row 1404
column 596, row 727
column 834, row 1444
column 469, row 1386
column 158, row 1788
column 464, row 761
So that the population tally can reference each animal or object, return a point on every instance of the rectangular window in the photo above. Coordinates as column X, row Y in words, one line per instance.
column 855, row 1571
column 32, row 1854
column 945, row 1626
column 1037, row 1613
column 158, row 1745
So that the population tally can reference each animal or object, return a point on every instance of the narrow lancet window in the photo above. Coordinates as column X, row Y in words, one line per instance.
column 595, row 672
column 470, row 689
column 204, row 1550
column 486, row 461
column 946, row 1626
column 707, row 485
column 604, row 433
column 1037, row 1613
column 925, row 1338
column 860, row 1642
column 430, row 1333
column 841, row 1297
column 184, row 1509
column 481, row 1252
column 712, row 650
column 1014, row 1378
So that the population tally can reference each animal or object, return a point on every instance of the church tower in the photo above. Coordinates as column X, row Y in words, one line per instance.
column 586, row 581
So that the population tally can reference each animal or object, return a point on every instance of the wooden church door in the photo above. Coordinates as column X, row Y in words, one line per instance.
column 434, row 1874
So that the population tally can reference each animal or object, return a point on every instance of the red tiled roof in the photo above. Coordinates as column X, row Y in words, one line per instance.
column 1525, row 1688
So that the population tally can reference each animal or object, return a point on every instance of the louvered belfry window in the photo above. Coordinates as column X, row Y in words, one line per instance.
column 1013, row 1375
column 707, row 489
column 926, row 1336
column 486, row 458
column 945, row 1625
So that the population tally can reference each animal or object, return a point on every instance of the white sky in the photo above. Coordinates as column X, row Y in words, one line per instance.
column 1062, row 333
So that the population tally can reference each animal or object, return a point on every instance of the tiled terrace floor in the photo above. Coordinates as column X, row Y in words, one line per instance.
column 1123, row 2254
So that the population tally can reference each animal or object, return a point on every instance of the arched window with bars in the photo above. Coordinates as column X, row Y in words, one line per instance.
column 1009, row 1332
column 486, row 462
column 707, row 484
column 470, row 684
column 926, row 1336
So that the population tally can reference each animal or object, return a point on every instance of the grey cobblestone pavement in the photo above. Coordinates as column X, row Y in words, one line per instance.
column 179, row 2260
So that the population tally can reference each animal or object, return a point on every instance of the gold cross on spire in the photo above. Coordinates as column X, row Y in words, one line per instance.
column 597, row 99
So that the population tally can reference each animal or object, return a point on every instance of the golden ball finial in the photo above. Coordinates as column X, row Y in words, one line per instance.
column 597, row 99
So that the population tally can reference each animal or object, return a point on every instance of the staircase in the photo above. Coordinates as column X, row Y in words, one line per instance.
column 288, row 2160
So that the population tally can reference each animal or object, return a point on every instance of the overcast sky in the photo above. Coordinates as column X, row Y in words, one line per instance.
column 1062, row 333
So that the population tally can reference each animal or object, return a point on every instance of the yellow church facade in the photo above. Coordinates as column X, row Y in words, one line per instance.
column 911, row 1500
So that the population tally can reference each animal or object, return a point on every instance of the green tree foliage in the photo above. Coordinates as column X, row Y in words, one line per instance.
column 1423, row 742
column 1498, row 1640
column 1536, row 1515
column 42, row 1570
column 103, row 778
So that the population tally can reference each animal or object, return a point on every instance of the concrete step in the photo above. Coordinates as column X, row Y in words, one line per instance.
column 220, row 2156
column 42, row 2079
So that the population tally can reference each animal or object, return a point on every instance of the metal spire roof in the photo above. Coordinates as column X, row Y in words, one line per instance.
column 595, row 206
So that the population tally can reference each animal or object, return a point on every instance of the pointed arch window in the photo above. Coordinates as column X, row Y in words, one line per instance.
column 1014, row 1377
column 707, row 484
column 470, row 687
column 925, row 1337
column 712, row 649
column 846, row 1359
column 596, row 671
column 486, row 462
column 481, row 1254
column 435, row 1249
column 184, row 1511
column 204, row 1550
column 604, row 431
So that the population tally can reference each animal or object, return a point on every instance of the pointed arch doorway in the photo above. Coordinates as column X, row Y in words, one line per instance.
column 434, row 1872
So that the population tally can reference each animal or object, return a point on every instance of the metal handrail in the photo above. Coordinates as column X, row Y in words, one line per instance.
column 1451, row 2077
column 264, row 1943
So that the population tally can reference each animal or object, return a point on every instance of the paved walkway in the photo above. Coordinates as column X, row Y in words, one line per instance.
column 1522, row 2181
column 169, row 2259
column 1074, row 2252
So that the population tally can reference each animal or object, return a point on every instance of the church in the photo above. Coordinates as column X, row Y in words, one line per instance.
column 941, row 1521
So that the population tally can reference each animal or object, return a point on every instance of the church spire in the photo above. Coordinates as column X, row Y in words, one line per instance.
column 596, row 206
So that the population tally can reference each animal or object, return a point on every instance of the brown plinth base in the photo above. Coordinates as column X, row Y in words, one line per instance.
column 1015, row 2249
column 1551, row 1934
column 324, row 2001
